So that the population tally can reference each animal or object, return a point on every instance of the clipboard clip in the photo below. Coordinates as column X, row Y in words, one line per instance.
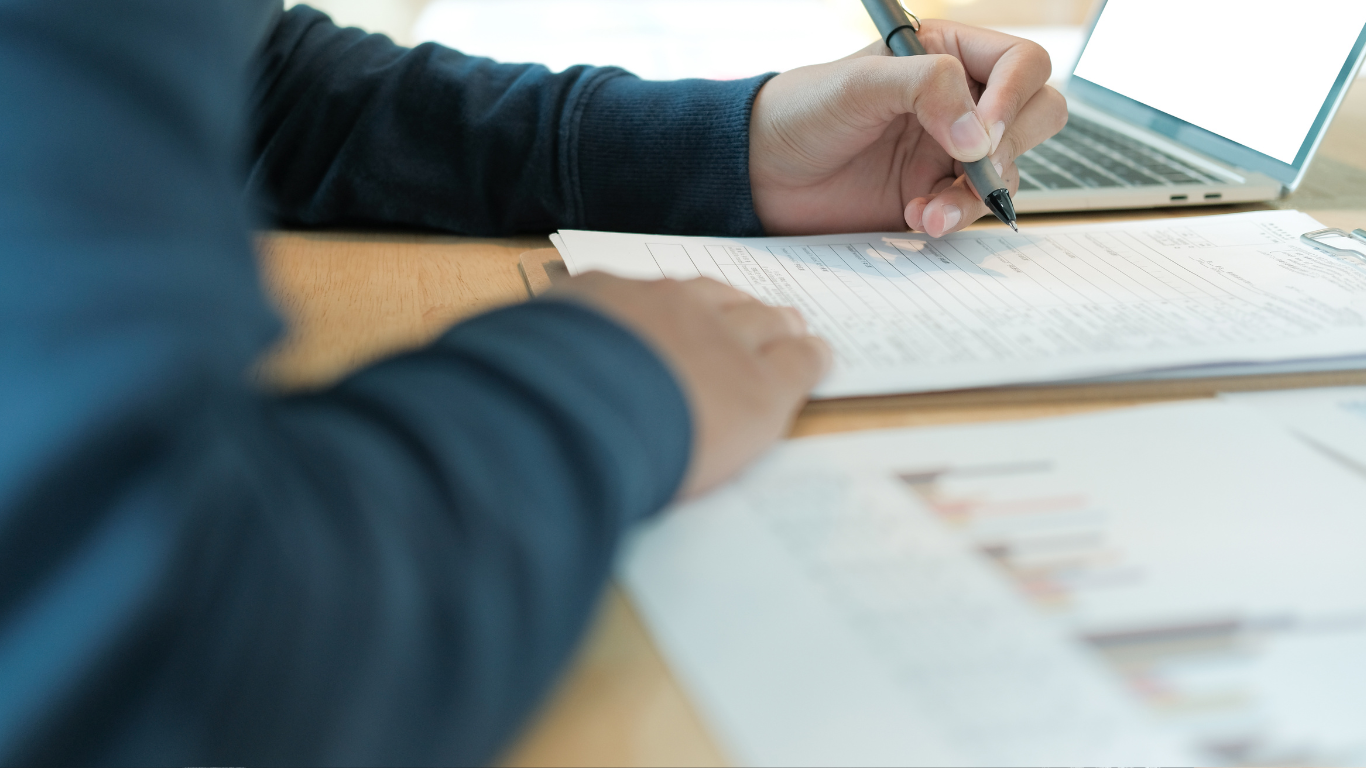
column 1340, row 243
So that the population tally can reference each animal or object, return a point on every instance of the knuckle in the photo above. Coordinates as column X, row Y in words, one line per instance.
column 1033, row 50
column 808, row 361
column 696, row 286
column 1036, row 54
column 945, row 68
column 860, row 88
column 668, row 292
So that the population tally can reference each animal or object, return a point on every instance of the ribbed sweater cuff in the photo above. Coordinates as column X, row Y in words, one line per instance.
column 666, row 157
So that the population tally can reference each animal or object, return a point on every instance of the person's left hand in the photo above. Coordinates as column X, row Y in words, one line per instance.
column 872, row 142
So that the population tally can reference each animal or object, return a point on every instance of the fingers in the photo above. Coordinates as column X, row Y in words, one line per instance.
column 875, row 90
column 1011, row 68
column 951, row 209
column 745, row 368
column 936, row 87
column 943, row 104
column 957, row 205
column 1015, row 72
column 796, row 360
column 1044, row 115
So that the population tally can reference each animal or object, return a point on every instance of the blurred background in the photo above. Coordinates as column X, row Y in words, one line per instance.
column 667, row 39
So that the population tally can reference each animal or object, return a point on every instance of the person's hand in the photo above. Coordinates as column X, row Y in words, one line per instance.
column 745, row 367
column 873, row 142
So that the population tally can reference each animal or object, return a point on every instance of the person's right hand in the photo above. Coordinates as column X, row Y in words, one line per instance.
column 745, row 367
column 873, row 143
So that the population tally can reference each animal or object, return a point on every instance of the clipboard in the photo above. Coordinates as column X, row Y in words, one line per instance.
column 542, row 268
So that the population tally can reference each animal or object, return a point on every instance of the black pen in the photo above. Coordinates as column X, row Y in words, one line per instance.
column 898, row 32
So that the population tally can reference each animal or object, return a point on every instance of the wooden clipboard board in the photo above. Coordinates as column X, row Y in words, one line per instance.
column 541, row 269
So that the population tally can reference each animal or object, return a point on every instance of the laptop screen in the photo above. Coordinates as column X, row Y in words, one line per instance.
column 1255, row 72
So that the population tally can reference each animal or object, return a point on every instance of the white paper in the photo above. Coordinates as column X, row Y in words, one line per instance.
column 1332, row 419
column 1043, row 592
column 907, row 313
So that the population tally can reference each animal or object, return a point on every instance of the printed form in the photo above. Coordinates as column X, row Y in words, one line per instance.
column 908, row 313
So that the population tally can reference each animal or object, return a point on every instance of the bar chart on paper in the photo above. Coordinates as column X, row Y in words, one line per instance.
column 909, row 571
column 907, row 313
column 1227, row 679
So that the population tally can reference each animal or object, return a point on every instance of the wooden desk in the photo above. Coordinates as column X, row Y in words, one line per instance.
column 352, row 298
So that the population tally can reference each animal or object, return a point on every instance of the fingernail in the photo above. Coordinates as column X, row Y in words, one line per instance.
column 997, row 131
column 918, row 205
column 952, row 215
column 970, row 138
column 1000, row 169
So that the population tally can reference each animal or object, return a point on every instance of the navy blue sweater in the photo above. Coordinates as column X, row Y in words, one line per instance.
column 391, row 570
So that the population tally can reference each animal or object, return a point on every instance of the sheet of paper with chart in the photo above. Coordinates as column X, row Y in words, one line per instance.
column 908, row 313
column 1332, row 419
column 1176, row 584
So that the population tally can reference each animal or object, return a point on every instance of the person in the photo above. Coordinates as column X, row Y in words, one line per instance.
column 391, row 569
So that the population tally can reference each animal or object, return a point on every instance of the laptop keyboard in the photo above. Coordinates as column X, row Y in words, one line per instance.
column 1088, row 155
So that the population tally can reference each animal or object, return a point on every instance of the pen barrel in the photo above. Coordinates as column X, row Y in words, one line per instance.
column 992, row 189
column 903, row 42
column 894, row 26
column 983, row 176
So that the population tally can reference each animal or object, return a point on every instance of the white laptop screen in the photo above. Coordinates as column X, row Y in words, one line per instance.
column 1252, row 71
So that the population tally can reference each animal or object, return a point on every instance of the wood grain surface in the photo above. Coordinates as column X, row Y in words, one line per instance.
column 351, row 298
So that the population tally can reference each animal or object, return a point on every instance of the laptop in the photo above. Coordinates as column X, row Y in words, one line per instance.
column 1196, row 102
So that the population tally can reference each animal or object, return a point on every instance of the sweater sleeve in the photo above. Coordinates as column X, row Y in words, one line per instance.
column 351, row 129
column 194, row 572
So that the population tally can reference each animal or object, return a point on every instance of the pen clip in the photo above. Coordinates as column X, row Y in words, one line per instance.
column 915, row 20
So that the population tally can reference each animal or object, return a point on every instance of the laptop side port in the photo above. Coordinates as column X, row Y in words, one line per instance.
column 1214, row 196
column 1178, row 198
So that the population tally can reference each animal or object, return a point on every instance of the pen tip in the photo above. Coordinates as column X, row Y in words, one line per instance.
column 1012, row 226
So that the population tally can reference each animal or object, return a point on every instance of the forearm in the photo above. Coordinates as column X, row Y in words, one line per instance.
column 388, row 571
column 352, row 129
